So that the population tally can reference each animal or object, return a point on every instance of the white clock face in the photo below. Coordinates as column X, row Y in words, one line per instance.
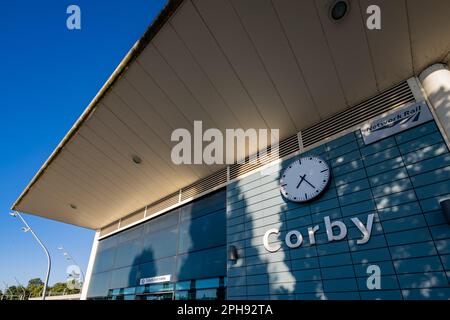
column 305, row 179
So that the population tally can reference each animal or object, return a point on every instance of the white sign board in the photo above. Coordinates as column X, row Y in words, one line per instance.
column 158, row 279
column 397, row 121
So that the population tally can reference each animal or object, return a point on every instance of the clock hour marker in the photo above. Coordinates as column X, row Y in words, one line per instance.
column 324, row 170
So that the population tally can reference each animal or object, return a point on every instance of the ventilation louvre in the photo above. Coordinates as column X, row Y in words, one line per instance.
column 162, row 204
column 132, row 218
column 388, row 100
column 286, row 147
column 109, row 228
column 203, row 185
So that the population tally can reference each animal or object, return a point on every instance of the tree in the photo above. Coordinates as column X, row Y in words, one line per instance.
column 34, row 290
column 35, row 287
column 35, row 282
column 61, row 288
column 14, row 293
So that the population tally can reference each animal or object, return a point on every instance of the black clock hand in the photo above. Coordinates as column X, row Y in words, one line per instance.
column 309, row 183
column 301, row 180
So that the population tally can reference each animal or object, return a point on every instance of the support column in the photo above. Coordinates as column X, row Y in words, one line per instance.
column 435, row 82
column 90, row 266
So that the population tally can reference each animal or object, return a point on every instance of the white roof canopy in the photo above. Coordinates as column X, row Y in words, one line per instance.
column 232, row 64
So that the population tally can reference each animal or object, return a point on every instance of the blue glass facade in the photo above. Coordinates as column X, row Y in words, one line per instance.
column 188, row 243
column 399, row 179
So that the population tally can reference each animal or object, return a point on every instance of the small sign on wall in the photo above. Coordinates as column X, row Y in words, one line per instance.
column 397, row 121
column 158, row 279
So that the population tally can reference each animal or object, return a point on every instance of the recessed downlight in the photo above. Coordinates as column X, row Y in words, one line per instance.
column 137, row 159
column 338, row 10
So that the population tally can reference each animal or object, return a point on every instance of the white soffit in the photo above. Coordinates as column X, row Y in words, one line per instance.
column 232, row 64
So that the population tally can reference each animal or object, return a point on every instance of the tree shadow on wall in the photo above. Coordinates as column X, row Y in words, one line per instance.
column 255, row 206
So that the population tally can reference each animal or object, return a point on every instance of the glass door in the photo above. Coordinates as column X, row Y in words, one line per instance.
column 157, row 296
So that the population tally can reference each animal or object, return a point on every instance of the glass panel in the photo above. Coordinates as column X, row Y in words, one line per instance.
column 135, row 233
column 160, row 244
column 115, row 292
column 128, row 253
column 104, row 261
column 140, row 289
column 160, row 287
column 150, row 250
column 125, row 277
column 99, row 284
column 205, row 232
column 206, row 294
column 207, row 283
column 183, row 285
column 123, row 297
column 107, row 243
column 162, row 296
column 131, row 290
column 202, row 264
column 203, row 206
column 162, row 222
column 158, row 268
column 182, row 295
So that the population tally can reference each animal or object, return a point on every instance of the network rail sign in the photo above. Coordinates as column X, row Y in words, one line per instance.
column 397, row 121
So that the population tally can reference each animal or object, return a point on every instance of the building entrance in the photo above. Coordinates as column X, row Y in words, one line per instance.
column 156, row 296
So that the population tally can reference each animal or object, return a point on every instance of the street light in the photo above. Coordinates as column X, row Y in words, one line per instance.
column 69, row 257
column 26, row 229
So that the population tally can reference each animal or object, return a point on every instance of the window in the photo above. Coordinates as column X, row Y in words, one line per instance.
column 124, row 277
column 99, row 284
column 205, row 232
column 128, row 253
column 202, row 264
column 206, row 294
column 157, row 268
column 160, row 244
column 188, row 243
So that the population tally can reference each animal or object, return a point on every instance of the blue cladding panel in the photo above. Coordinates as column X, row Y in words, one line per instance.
column 400, row 179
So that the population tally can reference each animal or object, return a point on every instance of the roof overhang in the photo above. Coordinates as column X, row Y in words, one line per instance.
column 231, row 64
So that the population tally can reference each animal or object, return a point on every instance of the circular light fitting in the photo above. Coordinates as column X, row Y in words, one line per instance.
column 137, row 159
column 339, row 9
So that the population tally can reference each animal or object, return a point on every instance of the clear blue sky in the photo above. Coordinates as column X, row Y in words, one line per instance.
column 49, row 75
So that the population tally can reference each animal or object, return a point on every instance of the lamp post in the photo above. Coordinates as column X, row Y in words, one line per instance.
column 26, row 229
column 69, row 257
